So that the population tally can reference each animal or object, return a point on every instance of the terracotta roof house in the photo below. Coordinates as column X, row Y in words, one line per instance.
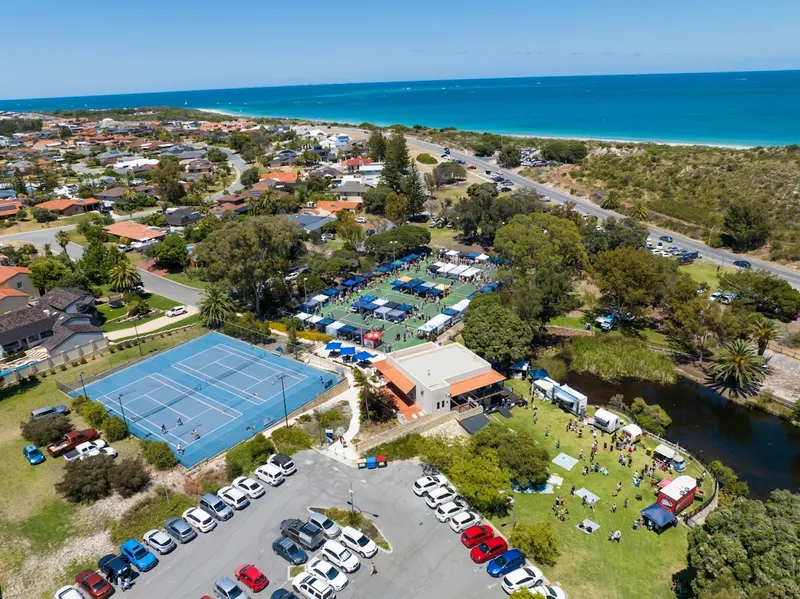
column 334, row 207
column 353, row 164
column 281, row 176
column 19, row 278
column 12, row 300
column 70, row 207
column 135, row 231
column 9, row 208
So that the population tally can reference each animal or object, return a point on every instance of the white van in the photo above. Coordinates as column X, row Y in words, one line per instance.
column 270, row 474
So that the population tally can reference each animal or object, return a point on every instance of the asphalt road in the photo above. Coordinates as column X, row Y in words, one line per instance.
column 588, row 207
column 427, row 559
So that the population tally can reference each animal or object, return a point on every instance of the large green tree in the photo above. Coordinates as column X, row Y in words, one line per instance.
column 398, row 241
column 509, row 157
column 763, row 292
column 46, row 273
column 376, row 146
column 395, row 162
column 413, row 190
column 738, row 368
column 375, row 199
column 168, row 179
column 348, row 229
column 397, row 208
column 615, row 234
column 171, row 253
column 537, row 541
column 123, row 276
column 494, row 331
column 699, row 325
column 747, row 224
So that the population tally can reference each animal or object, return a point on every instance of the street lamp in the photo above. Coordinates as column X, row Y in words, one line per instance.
column 352, row 501
column 305, row 288
column 394, row 250
column 122, row 410
column 710, row 231
column 80, row 374
column 138, row 339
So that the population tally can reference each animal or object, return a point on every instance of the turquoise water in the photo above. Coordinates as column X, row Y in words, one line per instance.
column 746, row 109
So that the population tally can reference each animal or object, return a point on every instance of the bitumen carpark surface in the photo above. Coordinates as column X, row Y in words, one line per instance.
column 427, row 558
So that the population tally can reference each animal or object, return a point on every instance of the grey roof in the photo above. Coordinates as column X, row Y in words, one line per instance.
column 311, row 222
column 352, row 187
column 61, row 298
column 473, row 424
column 182, row 217
column 26, row 322
column 62, row 332
column 114, row 192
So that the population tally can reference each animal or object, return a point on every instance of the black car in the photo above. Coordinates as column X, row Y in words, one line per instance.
column 114, row 567
column 179, row 530
column 692, row 255
column 742, row 264
column 283, row 594
column 288, row 550
column 666, row 238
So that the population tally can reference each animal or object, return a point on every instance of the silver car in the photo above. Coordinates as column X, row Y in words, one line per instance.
column 179, row 530
column 225, row 588
column 159, row 541
column 330, row 529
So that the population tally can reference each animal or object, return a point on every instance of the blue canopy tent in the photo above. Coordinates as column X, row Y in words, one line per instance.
column 358, row 335
column 539, row 373
column 413, row 283
column 520, row 369
column 332, row 345
column 407, row 259
column 348, row 351
column 341, row 288
column 433, row 291
column 363, row 356
column 385, row 268
column 359, row 280
column 349, row 283
column 471, row 255
column 405, row 307
column 322, row 324
column 347, row 331
column 660, row 518
column 397, row 283
column 359, row 304
column 489, row 288
column 370, row 307
column 309, row 306
column 330, row 292
column 397, row 264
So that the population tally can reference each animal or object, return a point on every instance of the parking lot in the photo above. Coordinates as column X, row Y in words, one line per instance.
column 427, row 558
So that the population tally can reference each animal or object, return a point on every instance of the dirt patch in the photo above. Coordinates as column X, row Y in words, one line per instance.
column 150, row 266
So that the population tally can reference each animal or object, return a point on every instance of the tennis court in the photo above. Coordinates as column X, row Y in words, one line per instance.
column 220, row 388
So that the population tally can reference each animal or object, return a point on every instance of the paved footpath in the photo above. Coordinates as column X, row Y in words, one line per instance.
column 151, row 326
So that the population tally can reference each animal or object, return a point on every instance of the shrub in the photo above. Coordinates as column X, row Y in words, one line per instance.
column 329, row 418
column 114, row 429
column 404, row 448
column 210, row 486
column 260, row 448
column 426, row 159
column 45, row 431
column 158, row 454
column 729, row 484
column 304, row 418
column 129, row 477
column 651, row 418
column 79, row 402
column 536, row 541
column 87, row 480
column 192, row 486
column 238, row 461
column 289, row 439
column 94, row 413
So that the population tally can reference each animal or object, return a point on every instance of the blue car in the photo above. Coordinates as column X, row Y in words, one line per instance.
column 287, row 549
column 33, row 455
column 505, row 563
column 136, row 553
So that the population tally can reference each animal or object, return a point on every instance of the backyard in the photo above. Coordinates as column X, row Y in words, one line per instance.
column 157, row 303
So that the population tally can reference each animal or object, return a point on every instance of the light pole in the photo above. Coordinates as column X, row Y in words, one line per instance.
column 710, row 231
column 122, row 410
column 394, row 250
column 352, row 501
column 80, row 374
column 138, row 339
column 283, row 392
column 305, row 289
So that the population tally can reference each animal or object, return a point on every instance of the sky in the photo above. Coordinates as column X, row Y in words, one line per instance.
column 92, row 47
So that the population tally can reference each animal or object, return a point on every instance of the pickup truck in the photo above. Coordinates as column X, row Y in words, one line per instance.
column 83, row 450
column 71, row 440
column 306, row 534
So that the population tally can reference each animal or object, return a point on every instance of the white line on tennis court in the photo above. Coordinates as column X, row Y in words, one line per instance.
column 194, row 395
column 262, row 362
column 148, row 396
column 216, row 383
column 233, row 368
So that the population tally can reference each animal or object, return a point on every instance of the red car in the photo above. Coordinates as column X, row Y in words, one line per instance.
column 472, row 167
column 94, row 585
column 487, row 550
column 476, row 534
column 71, row 440
column 251, row 577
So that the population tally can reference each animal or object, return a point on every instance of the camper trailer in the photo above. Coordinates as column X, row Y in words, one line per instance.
column 631, row 432
column 670, row 456
column 570, row 399
column 606, row 421
column 543, row 388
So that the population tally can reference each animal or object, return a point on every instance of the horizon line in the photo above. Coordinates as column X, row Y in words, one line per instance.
column 176, row 91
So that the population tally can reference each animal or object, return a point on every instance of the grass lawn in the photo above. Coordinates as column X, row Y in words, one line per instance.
column 194, row 319
column 151, row 512
column 643, row 564
column 183, row 279
column 570, row 322
column 31, row 225
column 108, row 314
column 705, row 272
column 439, row 237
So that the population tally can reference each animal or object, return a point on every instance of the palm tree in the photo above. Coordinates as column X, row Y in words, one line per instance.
column 738, row 368
column 62, row 239
column 611, row 201
column 762, row 331
column 215, row 307
column 123, row 276
column 263, row 205
column 639, row 211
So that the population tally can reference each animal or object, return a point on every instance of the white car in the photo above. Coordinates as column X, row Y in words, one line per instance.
column 428, row 483
column 340, row 556
column 358, row 542
column 437, row 497
column 526, row 577
column 248, row 486
column 311, row 587
column 176, row 311
column 447, row 510
column 549, row 592
column 233, row 497
column 200, row 519
column 361, row 219
column 461, row 522
column 270, row 474
column 159, row 541
column 68, row 593
column 329, row 573
column 100, row 451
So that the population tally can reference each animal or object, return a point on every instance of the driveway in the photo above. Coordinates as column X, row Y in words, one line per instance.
column 427, row 558
column 152, row 325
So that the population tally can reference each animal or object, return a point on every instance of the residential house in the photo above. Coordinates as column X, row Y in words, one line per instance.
column 37, row 326
column 311, row 222
column 135, row 231
column 70, row 207
column 351, row 191
column 180, row 217
column 135, row 165
column 283, row 158
column 200, row 166
column 231, row 203
column 19, row 278
column 353, row 164
column 9, row 208
column 338, row 141
column 12, row 300
column 147, row 190
column 371, row 173
column 110, row 195
column 112, row 157
column 355, row 147
column 326, row 207
column 69, row 300
column 280, row 176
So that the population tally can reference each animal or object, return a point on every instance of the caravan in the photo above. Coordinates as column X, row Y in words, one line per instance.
column 670, row 456
column 570, row 399
column 606, row 421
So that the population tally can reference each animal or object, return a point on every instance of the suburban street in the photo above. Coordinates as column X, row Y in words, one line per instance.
column 427, row 558
column 589, row 207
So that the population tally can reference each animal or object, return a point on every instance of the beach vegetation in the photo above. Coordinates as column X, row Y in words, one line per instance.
column 510, row 156
column 564, row 150
column 447, row 173
column 652, row 418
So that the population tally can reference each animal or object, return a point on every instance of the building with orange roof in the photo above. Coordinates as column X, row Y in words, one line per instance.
column 12, row 300
column 70, row 206
column 334, row 207
column 17, row 278
column 135, row 231
column 281, row 176
column 9, row 208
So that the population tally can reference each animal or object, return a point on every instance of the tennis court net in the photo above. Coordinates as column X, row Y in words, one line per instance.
column 164, row 406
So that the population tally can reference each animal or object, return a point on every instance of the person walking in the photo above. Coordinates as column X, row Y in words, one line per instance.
column 613, row 508
column 163, row 428
column 180, row 422
column 372, row 569
column 625, row 503
column 180, row 449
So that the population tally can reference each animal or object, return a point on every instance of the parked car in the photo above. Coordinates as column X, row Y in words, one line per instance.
column 180, row 530
column 251, row 577
column 447, row 510
column 428, row 483
column 522, row 578
column 233, row 497
column 358, row 542
column 93, row 584
column 159, row 541
column 437, row 497
column 472, row 167
column 666, row 238
column 742, row 264
column 114, row 568
column 505, row 189
column 475, row 535
column 59, row 410
column 463, row 521
column 176, row 311
column 506, row 562
column 109, row 451
column 311, row 587
column 83, row 450
column 306, row 534
column 488, row 550
column 330, row 529
column 288, row 550
column 225, row 588
column 71, row 440
column 549, row 592
column 69, row 592
column 215, row 507
column 138, row 555
column 33, row 455
column 684, row 261
column 247, row 485
column 283, row 594
column 361, row 219
column 200, row 519
column 284, row 462
column 332, row 576
column 270, row 474
column 340, row 556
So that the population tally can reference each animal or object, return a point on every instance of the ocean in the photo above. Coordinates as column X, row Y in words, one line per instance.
column 739, row 109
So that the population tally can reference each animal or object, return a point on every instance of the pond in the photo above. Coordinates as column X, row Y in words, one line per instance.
column 763, row 449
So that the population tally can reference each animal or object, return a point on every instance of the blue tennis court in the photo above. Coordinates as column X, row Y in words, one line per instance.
column 209, row 394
